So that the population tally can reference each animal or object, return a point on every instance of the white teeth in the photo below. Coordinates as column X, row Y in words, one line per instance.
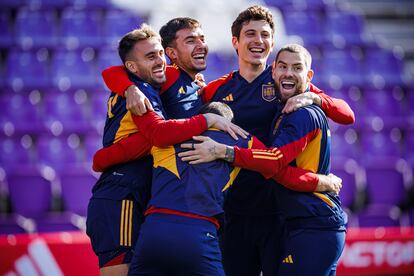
column 256, row 50
column 288, row 82
column 199, row 56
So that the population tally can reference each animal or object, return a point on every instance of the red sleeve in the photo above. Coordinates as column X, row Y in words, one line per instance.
column 211, row 88
column 336, row 109
column 172, row 73
column 297, row 179
column 131, row 148
column 269, row 161
column 293, row 178
column 163, row 133
column 116, row 79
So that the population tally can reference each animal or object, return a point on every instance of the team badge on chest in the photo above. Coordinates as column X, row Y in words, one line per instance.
column 268, row 92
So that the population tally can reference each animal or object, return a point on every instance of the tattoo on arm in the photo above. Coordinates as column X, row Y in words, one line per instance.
column 212, row 151
column 229, row 155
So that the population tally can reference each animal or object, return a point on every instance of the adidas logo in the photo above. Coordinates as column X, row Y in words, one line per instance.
column 228, row 98
column 181, row 90
column 288, row 260
column 38, row 260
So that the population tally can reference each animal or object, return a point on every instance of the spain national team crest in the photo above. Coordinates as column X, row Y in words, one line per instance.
column 268, row 92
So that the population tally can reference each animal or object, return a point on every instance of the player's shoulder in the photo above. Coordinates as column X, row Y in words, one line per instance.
column 210, row 90
column 172, row 74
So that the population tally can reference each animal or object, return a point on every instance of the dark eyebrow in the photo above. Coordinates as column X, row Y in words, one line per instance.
column 281, row 61
column 188, row 37
column 150, row 53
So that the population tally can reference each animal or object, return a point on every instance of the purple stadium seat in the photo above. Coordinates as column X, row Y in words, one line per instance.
column 30, row 192
column 342, row 68
column 28, row 69
column 15, row 151
column 6, row 30
column 408, row 147
column 345, row 28
column 107, row 57
column 382, row 68
column 410, row 108
column 409, row 217
column 344, row 144
column 348, row 193
column 117, row 23
column 10, row 3
column 386, row 104
column 74, row 69
column 70, row 109
column 385, row 183
column 298, row 5
column 9, row 224
column 59, row 152
column 220, row 64
column 77, row 186
column 36, row 28
column 93, row 142
column 81, row 28
column 379, row 215
column 58, row 222
column 308, row 25
column 88, row 4
column 46, row 4
column 379, row 144
column 20, row 115
column 99, row 108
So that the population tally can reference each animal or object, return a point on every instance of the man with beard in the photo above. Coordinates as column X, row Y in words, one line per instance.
column 302, row 139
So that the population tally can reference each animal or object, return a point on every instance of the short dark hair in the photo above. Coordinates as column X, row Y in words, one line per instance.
column 218, row 108
column 128, row 41
column 169, row 31
column 255, row 13
column 298, row 49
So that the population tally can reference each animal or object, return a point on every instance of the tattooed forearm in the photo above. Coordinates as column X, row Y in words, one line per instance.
column 229, row 155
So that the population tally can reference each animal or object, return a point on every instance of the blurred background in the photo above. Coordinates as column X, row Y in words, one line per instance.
column 52, row 53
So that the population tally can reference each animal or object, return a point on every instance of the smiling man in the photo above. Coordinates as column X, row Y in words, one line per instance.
column 119, row 197
column 301, row 138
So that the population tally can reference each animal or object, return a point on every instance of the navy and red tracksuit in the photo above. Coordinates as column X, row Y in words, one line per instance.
column 313, row 220
column 179, row 235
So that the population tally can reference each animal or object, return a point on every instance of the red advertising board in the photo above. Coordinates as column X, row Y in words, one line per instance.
column 368, row 251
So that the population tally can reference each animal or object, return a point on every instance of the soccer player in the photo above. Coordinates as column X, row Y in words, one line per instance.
column 179, row 235
column 313, row 220
column 251, row 239
column 120, row 195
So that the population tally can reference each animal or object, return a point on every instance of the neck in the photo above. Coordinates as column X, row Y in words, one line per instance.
column 192, row 74
column 250, row 71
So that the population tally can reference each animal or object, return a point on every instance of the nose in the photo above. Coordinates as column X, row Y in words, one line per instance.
column 258, row 38
column 200, row 43
column 160, row 59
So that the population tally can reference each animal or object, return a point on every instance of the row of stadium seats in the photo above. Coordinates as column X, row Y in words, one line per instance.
column 63, row 69
column 76, row 28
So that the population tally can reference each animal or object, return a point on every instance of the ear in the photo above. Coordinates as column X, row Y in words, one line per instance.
column 131, row 66
column 235, row 42
column 171, row 53
column 309, row 75
column 273, row 69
